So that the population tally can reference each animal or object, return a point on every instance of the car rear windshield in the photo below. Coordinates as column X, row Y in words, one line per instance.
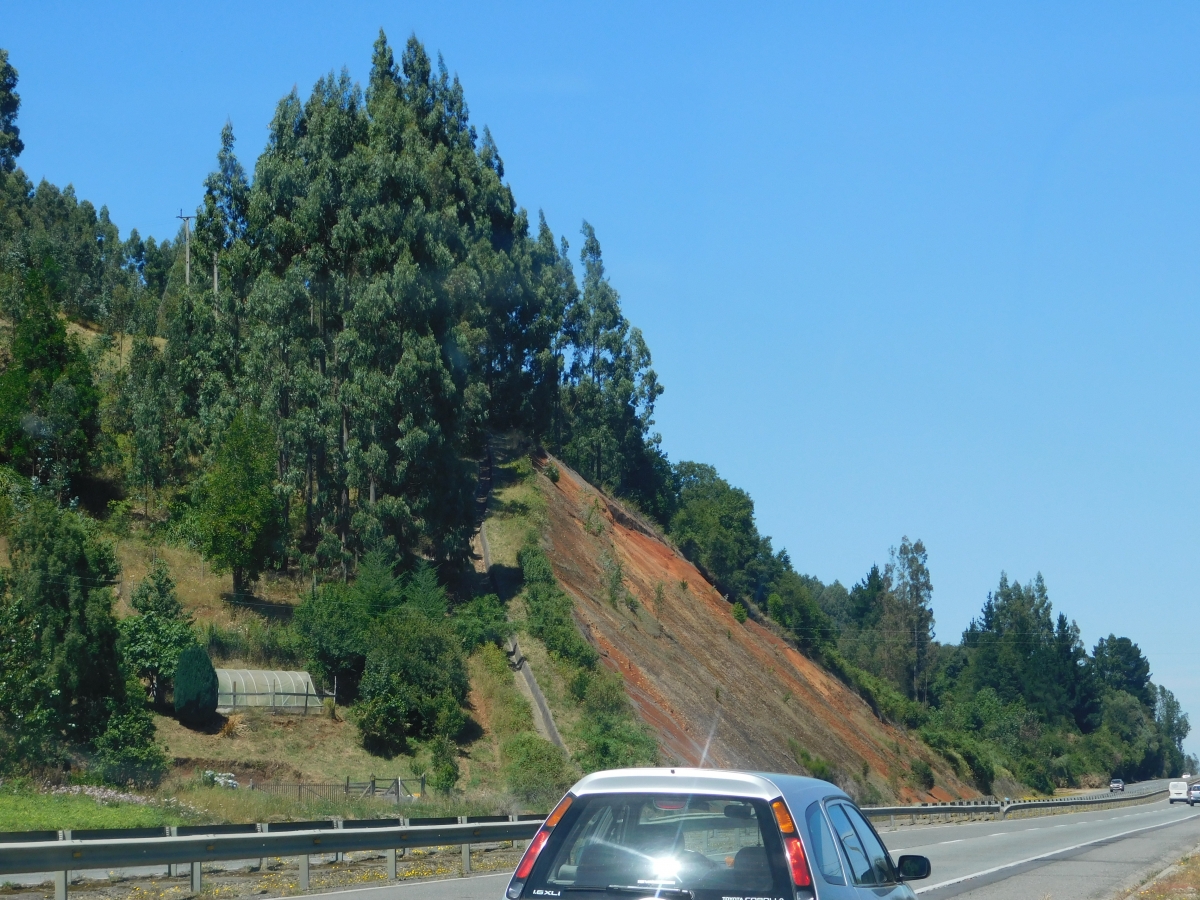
column 711, row 846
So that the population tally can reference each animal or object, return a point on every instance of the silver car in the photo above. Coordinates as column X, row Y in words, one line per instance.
column 710, row 834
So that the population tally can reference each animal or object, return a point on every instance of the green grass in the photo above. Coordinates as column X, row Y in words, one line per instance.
column 23, row 808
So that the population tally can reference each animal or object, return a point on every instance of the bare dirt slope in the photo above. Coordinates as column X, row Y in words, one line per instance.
column 714, row 691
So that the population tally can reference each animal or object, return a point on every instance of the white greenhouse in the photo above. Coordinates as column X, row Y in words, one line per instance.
column 291, row 691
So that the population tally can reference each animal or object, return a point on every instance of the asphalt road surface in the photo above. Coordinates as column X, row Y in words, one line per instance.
column 1090, row 854
column 1077, row 855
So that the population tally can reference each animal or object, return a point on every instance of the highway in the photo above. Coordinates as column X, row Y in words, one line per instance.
column 1077, row 855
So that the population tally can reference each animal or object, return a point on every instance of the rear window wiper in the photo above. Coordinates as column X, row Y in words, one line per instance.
column 647, row 891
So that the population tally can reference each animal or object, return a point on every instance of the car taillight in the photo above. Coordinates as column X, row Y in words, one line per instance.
column 797, row 861
column 531, row 854
column 535, row 847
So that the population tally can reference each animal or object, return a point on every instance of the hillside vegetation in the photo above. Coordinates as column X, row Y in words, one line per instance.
column 270, row 441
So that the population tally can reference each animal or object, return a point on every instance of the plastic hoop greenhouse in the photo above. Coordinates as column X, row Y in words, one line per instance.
column 270, row 688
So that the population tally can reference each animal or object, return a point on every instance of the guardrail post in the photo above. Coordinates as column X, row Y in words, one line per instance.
column 892, row 827
column 466, row 851
column 62, row 879
column 262, row 829
column 391, row 861
column 197, row 876
column 337, row 823
column 304, row 872
column 172, row 868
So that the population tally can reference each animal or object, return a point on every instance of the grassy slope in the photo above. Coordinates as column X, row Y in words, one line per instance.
column 517, row 508
column 312, row 748
column 24, row 808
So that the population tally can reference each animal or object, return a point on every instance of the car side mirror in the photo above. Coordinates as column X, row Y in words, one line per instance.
column 913, row 868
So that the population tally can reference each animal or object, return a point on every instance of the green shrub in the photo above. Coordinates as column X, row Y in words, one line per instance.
column 816, row 766
column 128, row 753
column 922, row 774
column 739, row 612
column 963, row 752
column 443, row 765
column 552, row 472
column 535, row 770
column 415, row 682
column 550, row 609
column 482, row 621
column 382, row 721
column 195, row 686
column 614, row 743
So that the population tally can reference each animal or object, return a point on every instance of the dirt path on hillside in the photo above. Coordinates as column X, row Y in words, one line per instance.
column 543, row 720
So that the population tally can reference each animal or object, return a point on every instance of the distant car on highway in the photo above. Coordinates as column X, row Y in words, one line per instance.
column 1116, row 785
column 707, row 834
column 1177, row 792
column 1194, row 794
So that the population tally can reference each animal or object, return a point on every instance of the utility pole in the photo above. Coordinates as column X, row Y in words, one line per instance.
column 187, row 247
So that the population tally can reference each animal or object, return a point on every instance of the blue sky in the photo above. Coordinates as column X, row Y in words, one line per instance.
column 924, row 269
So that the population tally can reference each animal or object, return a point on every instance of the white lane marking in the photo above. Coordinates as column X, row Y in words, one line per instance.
column 1021, row 862
column 404, row 884
column 957, row 841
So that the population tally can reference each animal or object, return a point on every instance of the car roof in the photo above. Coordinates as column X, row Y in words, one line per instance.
column 728, row 782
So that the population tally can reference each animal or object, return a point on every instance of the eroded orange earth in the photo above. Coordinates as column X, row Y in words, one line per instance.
column 714, row 692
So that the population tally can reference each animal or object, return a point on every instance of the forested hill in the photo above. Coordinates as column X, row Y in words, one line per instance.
column 306, row 381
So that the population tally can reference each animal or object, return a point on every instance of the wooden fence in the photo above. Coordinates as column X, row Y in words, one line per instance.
column 397, row 790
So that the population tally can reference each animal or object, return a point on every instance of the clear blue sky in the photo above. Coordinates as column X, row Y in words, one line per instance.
column 923, row 269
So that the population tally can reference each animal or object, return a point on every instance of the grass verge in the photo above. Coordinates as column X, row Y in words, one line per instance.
column 26, row 807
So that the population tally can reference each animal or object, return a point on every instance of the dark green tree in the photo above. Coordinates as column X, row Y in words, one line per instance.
column 153, row 641
column 907, row 619
column 64, row 672
column 238, row 514
column 714, row 527
column 10, row 103
column 195, row 686
column 1120, row 666
column 414, row 683
column 609, row 389
column 48, row 402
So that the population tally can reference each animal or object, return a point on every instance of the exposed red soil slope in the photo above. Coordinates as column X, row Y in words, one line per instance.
column 713, row 691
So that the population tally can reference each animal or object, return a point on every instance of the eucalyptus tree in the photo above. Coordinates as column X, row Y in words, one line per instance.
column 609, row 387
column 395, row 306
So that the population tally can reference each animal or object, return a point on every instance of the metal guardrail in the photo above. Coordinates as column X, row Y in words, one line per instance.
column 31, row 852
column 999, row 810
column 112, row 851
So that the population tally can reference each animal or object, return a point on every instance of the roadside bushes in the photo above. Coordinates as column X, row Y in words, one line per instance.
column 535, row 770
column 965, row 754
